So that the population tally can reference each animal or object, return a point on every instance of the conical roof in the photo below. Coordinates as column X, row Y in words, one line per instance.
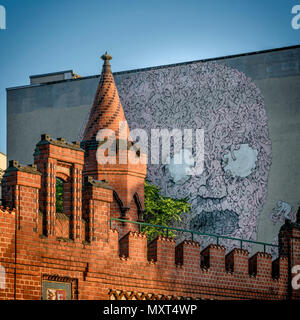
column 107, row 111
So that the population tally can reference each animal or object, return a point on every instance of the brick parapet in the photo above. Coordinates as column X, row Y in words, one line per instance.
column 126, row 264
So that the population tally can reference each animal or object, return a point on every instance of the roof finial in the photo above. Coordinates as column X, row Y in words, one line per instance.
column 106, row 57
column 106, row 65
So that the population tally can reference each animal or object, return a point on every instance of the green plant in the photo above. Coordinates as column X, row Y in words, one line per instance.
column 59, row 196
column 161, row 211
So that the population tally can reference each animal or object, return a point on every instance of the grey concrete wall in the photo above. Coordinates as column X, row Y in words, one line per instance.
column 282, row 101
column 57, row 109
column 60, row 109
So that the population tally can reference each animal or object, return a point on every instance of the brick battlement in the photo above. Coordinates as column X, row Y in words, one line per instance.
column 6, row 210
column 61, row 142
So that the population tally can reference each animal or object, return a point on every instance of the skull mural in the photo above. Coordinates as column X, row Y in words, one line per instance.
column 228, row 196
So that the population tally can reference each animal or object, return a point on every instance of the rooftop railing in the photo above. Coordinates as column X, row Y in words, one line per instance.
column 193, row 233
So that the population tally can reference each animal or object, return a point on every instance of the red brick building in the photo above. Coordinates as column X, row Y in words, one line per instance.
column 80, row 254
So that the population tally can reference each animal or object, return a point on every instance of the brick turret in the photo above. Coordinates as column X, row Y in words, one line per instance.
column 58, row 159
column 110, row 153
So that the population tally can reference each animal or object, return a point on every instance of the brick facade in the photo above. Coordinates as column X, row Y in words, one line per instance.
column 80, row 249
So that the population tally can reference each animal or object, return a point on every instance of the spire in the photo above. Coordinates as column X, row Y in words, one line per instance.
column 124, row 176
column 106, row 65
column 107, row 111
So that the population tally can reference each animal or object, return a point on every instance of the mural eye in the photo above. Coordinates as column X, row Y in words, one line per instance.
column 179, row 164
column 240, row 162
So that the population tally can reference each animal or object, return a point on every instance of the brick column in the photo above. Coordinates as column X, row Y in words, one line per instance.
column 50, row 196
column 97, row 197
column 76, row 202
column 21, row 184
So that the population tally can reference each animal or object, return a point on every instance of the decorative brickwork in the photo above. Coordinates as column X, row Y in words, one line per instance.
column 79, row 248
column 131, row 295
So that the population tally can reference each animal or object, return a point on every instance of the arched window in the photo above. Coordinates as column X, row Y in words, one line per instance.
column 59, row 195
column 63, row 208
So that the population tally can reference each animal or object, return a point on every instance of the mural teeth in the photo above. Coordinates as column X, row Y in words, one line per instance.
column 216, row 222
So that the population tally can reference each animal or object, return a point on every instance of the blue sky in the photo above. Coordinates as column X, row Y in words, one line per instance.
column 48, row 36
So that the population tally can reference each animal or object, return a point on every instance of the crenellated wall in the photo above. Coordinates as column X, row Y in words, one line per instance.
column 98, row 262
